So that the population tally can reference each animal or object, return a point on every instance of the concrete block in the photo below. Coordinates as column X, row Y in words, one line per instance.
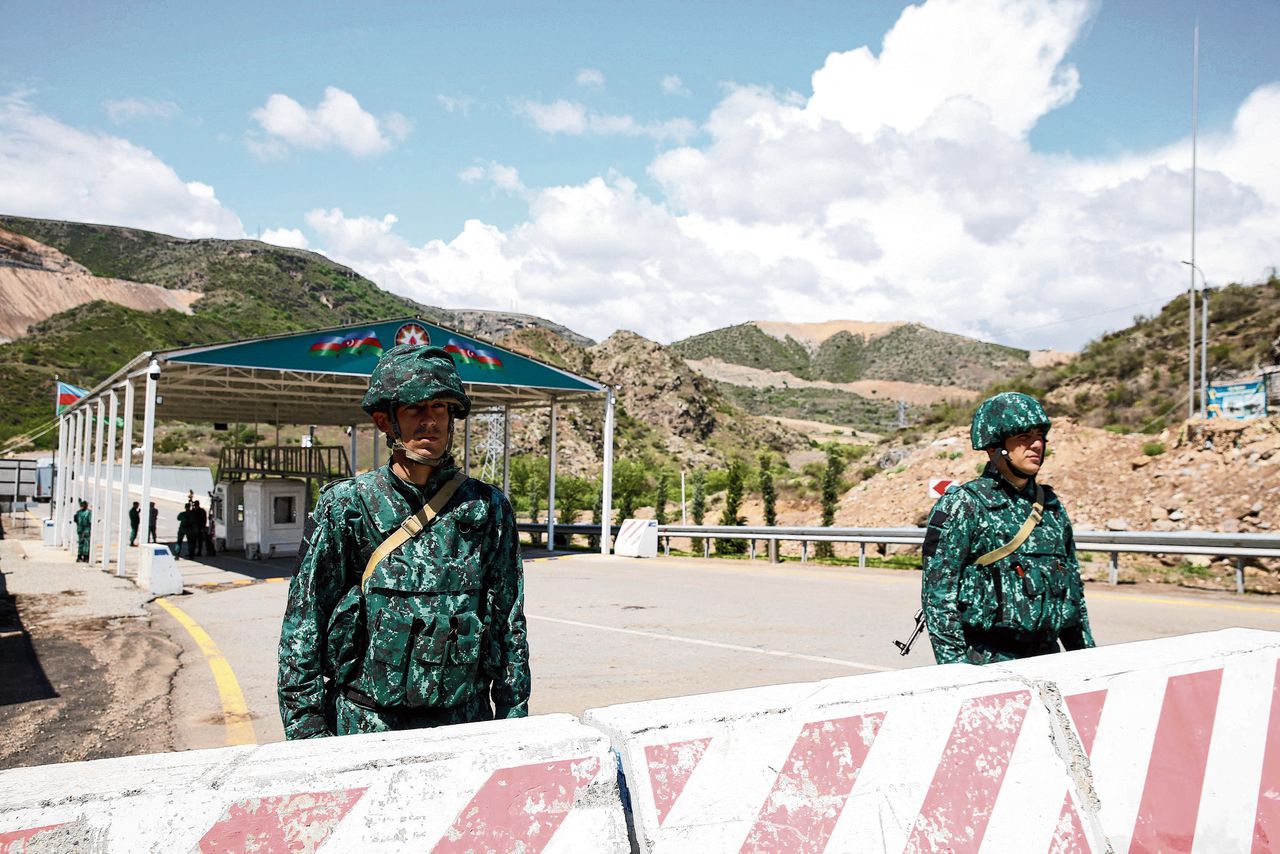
column 940, row 758
column 158, row 571
column 543, row 784
column 1174, row 743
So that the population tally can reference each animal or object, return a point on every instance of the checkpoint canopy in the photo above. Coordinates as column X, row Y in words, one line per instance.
column 313, row 377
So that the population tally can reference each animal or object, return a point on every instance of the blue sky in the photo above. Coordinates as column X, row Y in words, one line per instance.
column 673, row 167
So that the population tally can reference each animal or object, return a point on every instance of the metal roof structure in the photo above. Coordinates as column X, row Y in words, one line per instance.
column 315, row 377
column 318, row 376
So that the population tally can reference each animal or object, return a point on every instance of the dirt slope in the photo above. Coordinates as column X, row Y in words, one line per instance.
column 37, row 282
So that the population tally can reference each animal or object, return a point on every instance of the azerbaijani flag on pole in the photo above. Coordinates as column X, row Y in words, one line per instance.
column 66, row 396
column 327, row 346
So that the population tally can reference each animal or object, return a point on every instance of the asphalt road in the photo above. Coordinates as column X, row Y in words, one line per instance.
column 613, row 630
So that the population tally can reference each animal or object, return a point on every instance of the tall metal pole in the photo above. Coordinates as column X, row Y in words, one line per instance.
column 95, row 501
column 1191, row 293
column 60, row 480
column 1204, row 347
column 86, row 415
column 126, row 455
column 352, row 461
column 606, row 477
column 466, row 446
column 506, row 449
column 108, row 490
column 551, row 483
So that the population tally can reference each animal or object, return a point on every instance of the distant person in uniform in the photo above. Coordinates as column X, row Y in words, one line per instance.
column 197, row 529
column 210, row 536
column 1001, row 579
column 135, row 519
column 184, row 530
column 407, row 606
column 153, row 515
column 84, row 526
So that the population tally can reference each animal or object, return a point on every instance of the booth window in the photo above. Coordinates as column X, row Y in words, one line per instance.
column 284, row 510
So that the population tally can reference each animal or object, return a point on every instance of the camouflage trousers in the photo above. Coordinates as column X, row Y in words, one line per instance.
column 82, row 547
column 344, row 716
column 987, row 647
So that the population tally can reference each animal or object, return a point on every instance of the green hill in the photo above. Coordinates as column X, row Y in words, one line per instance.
column 907, row 353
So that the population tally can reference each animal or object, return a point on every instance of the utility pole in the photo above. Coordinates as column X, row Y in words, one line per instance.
column 1191, row 293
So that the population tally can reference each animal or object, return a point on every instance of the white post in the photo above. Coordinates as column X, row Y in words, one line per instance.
column 72, row 474
column 113, row 413
column 126, row 456
column 148, row 441
column 684, row 519
column 374, row 460
column 606, row 477
column 551, row 483
column 354, row 436
column 506, row 449
column 60, row 481
column 82, row 475
column 95, row 500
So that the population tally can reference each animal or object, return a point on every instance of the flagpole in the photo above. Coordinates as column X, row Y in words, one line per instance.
column 1191, row 293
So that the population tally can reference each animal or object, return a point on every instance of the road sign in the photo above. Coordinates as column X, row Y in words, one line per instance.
column 938, row 485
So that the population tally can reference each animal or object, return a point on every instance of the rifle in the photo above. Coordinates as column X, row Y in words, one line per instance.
column 905, row 648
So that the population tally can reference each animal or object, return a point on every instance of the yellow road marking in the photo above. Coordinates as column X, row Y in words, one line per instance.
column 235, row 711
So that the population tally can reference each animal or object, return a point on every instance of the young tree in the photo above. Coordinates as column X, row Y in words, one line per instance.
column 572, row 495
column 660, row 499
column 732, row 502
column 698, row 504
column 830, row 496
column 597, row 515
column 629, row 481
column 767, row 494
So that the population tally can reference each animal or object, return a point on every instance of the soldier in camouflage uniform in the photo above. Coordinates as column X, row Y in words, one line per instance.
column 436, row 634
column 84, row 527
column 1021, row 603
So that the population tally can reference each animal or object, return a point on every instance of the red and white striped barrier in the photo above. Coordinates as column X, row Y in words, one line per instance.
column 1178, row 748
column 544, row 784
column 961, row 758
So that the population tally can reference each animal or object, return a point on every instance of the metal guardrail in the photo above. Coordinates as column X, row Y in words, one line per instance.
column 1114, row 543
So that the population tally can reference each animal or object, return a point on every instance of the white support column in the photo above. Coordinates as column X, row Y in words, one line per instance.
column 352, row 461
column 126, row 455
column 95, row 498
column 148, row 442
column 466, row 446
column 59, row 480
column 82, row 470
column 375, row 460
column 606, row 477
column 551, row 483
column 506, row 449
column 108, row 491
column 72, row 475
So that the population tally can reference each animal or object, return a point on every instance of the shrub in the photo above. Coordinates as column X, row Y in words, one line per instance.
column 1153, row 449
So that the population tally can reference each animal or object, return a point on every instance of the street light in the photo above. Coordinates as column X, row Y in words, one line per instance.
column 1204, row 338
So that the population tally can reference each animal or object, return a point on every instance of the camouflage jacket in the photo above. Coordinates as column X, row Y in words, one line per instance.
column 1034, row 594
column 84, row 522
column 440, row 625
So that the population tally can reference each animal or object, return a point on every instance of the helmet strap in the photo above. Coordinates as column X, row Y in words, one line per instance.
column 1008, row 461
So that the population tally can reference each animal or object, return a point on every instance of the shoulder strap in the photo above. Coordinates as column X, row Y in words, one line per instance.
column 412, row 526
column 1019, row 538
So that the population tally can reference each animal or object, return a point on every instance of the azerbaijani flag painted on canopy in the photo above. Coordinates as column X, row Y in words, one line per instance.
column 356, row 344
column 473, row 356
column 66, row 395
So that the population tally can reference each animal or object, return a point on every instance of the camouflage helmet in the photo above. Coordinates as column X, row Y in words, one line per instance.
column 1007, row 414
column 409, row 373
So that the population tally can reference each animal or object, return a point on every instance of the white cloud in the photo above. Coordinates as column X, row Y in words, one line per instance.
column 572, row 118
column 673, row 85
column 590, row 78
column 505, row 178
column 127, row 109
column 49, row 169
column 453, row 104
column 338, row 121
column 291, row 238
column 903, row 188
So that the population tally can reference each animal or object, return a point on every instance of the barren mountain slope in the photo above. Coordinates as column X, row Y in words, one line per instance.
column 37, row 282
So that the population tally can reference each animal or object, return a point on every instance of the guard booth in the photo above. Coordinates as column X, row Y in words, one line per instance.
column 263, row 494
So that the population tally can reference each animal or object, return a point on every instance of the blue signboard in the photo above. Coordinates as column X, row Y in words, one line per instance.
column 1238, row 401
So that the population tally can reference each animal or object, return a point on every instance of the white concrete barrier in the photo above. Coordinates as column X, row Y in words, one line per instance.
column 962, row 758
column 1175, row 742
column 158, row 571
column 543, row 784
column 637, row 538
